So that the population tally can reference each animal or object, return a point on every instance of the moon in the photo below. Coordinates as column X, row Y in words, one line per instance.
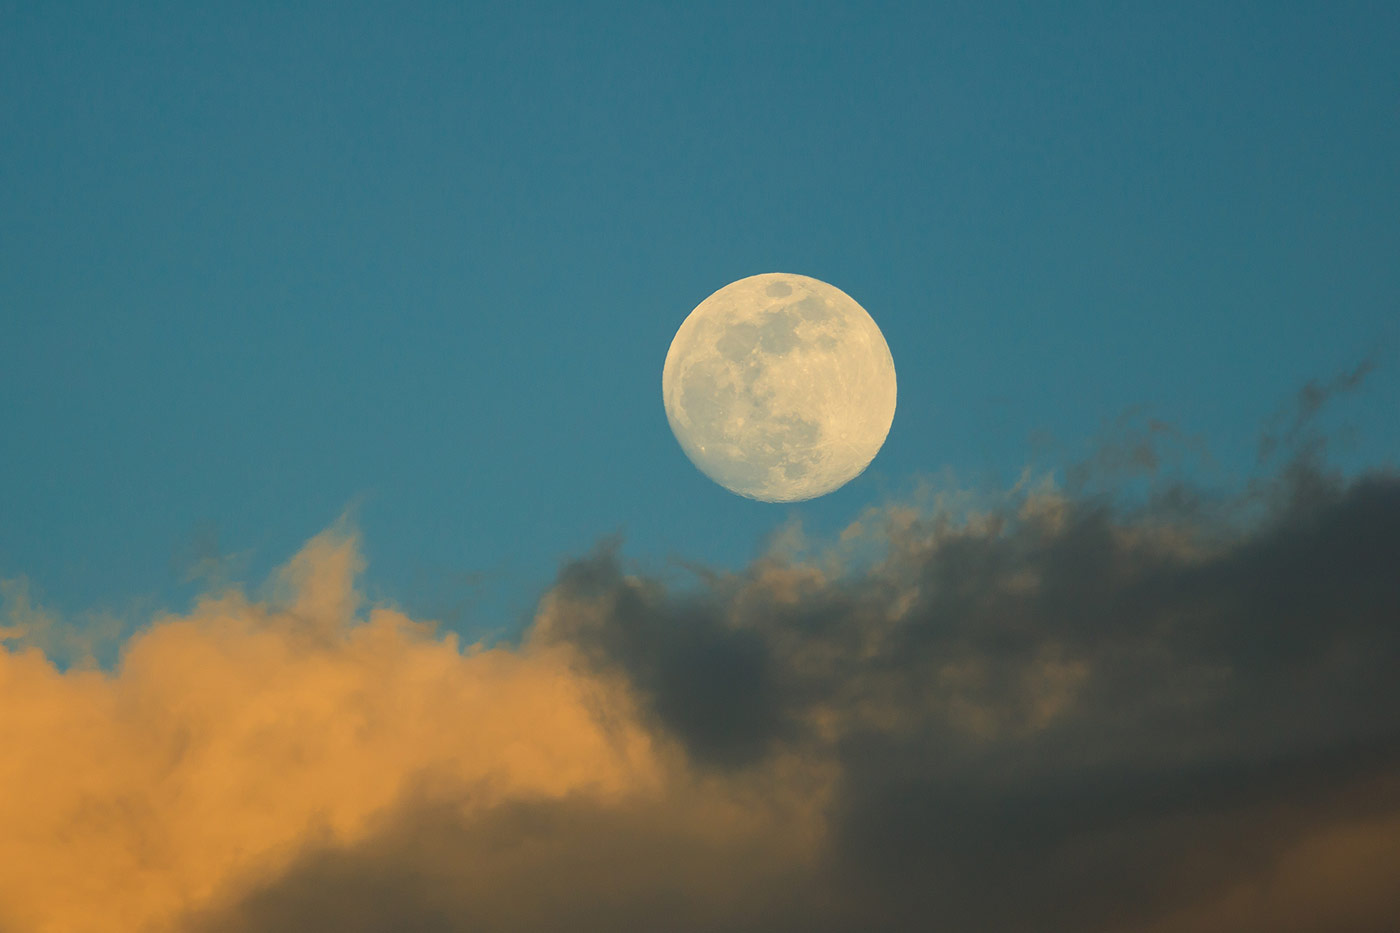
column 779, row 387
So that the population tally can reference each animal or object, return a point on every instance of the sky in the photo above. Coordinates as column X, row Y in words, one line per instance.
column 349, row 568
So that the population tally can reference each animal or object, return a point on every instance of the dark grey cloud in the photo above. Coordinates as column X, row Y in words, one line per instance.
column 1058, row 714
column 534, row 866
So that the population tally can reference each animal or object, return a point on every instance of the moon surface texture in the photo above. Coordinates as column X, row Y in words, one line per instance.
column 779, row 387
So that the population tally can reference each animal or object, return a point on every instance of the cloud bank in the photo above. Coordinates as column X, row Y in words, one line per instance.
column 1053, row 713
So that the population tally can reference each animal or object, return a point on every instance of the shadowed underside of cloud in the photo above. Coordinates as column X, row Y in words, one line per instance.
column 1053, row 714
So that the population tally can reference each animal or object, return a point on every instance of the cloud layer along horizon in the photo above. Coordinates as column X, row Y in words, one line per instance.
column 1052, row 713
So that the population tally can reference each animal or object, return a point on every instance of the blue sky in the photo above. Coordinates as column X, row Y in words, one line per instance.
column 258, row 265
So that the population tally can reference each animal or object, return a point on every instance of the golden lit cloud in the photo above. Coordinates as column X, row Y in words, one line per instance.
column 230, row 738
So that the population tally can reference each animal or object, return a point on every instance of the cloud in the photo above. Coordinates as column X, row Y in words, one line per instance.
column 1049, row 713
column 24, row 623
column 1294, row 427
column 230, row 739
column 1060, row 699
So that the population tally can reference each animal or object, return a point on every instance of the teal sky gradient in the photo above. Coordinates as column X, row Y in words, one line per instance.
column 257, row 265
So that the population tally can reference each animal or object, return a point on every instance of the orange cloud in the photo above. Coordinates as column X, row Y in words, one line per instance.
column 230, row 738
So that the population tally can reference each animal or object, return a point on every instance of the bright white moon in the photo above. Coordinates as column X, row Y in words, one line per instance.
column 779, row 387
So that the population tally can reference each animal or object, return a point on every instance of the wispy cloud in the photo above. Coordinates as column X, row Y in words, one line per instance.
column 1295, row 425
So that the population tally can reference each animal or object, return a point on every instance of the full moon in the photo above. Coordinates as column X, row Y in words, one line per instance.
column 779, row 387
